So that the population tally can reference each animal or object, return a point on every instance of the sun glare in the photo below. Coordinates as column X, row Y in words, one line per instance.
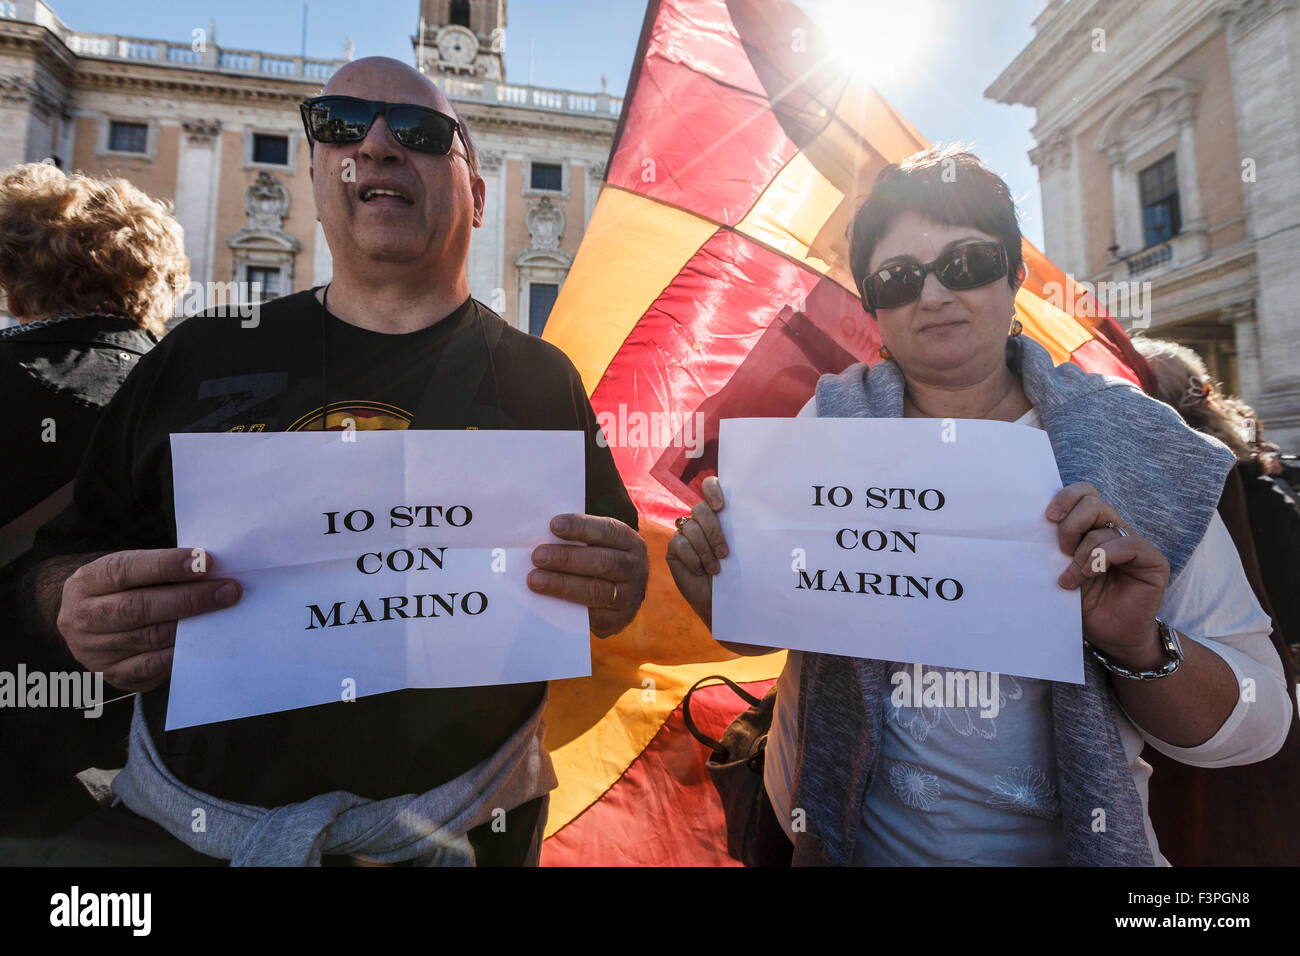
column 877, row 39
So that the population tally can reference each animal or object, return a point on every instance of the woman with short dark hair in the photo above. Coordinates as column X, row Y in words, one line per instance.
column 1171, row 626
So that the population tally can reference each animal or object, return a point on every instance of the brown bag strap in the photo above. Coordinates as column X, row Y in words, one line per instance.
column 719, row 751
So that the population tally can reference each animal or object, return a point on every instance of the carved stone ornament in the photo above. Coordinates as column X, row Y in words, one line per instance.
column 1140, row 115
column 490, row 160
column 14, row 88
column 1239, row 17
column 201, row 132
column 597, row 171
column 266, row 202
column 1053, row 153
column 1170, row 99
column 545, row 225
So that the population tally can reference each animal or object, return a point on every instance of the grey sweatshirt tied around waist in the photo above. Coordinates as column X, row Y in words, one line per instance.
column 428, row 829
column 1164, row 479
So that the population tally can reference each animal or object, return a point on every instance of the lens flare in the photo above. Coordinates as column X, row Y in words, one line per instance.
column 875, row 39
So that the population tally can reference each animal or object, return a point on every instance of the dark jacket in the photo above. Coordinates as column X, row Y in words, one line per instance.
column 1275, row 527
column 56, row 376
column 1241, row 816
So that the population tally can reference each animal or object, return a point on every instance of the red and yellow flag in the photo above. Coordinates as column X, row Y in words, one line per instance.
column 713, row 282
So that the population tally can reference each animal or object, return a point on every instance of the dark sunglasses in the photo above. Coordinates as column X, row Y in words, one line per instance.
column 965, row 267
column 346, row 119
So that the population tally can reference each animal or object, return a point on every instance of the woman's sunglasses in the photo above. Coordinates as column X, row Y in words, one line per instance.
column 346, row 119
column 965, row 267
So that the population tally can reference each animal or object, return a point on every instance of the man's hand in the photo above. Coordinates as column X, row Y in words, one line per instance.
column 607, row 576
column 119, row 612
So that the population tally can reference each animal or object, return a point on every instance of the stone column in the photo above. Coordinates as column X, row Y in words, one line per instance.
column 1189, row 193
column 484, row 268
column 322, row 265
column 1126, row 203
column 595, row 181
column 14, row 113
column 1265, row 71
column 198, row 166
column 1242, row 317
column 1054, row 159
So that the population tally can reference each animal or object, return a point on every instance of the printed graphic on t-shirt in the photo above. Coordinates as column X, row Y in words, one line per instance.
column 241, row 401
column 359, row 416
column 913, row 708
column 933, row 763
column 1025, row 790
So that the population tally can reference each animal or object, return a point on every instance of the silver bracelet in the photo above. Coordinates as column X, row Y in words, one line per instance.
column 1171, row 645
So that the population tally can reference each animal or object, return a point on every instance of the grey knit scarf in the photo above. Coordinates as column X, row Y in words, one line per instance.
column 1165, row 480
column 427, row 829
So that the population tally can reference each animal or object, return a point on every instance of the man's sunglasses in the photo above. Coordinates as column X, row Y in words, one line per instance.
column 965, row 267
column 346, row 119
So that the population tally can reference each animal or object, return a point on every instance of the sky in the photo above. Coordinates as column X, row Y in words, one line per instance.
column 931, row 59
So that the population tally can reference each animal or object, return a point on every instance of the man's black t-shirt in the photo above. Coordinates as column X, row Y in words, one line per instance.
column 301, row 368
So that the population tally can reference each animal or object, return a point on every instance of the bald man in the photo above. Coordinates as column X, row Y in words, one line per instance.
column 393, row 341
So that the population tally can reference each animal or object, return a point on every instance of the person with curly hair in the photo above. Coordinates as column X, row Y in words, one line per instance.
column 90, row 268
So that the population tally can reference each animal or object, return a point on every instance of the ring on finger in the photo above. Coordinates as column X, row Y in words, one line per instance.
column 613, row 601
column 1114, row 527
column 681, row 522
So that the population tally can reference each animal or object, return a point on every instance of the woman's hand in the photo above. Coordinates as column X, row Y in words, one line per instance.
column 1123, row 578
column 696, row 550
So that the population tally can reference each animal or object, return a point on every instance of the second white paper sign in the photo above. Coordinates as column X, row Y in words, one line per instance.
column 896, row 539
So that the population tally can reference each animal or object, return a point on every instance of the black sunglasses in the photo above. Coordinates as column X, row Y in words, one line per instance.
column 965, row 267
column 346, row 119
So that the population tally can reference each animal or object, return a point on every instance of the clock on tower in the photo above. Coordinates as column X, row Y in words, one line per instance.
column 462, row 37
column 457, row 45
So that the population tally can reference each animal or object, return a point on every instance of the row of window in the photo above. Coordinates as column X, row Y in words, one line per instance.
column 273, row 150
column 1157, row 183
column 124, row 137
column 541, row 295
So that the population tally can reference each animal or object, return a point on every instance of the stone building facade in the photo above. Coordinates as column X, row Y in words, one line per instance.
column 1168, row 150
column 217, row 132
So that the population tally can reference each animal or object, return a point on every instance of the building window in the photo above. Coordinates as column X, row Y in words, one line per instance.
column 548, row 176
column 128, row 137
column 541, row 298
column 266, row 277
column 459, row 15
column 1158, row 186
column 271, row 149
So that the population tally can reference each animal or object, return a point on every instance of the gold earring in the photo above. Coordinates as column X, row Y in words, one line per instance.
column 1016, row 327
column 884, row 353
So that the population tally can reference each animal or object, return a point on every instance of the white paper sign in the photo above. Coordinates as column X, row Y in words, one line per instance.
column 896, row 539
column 371, row 561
